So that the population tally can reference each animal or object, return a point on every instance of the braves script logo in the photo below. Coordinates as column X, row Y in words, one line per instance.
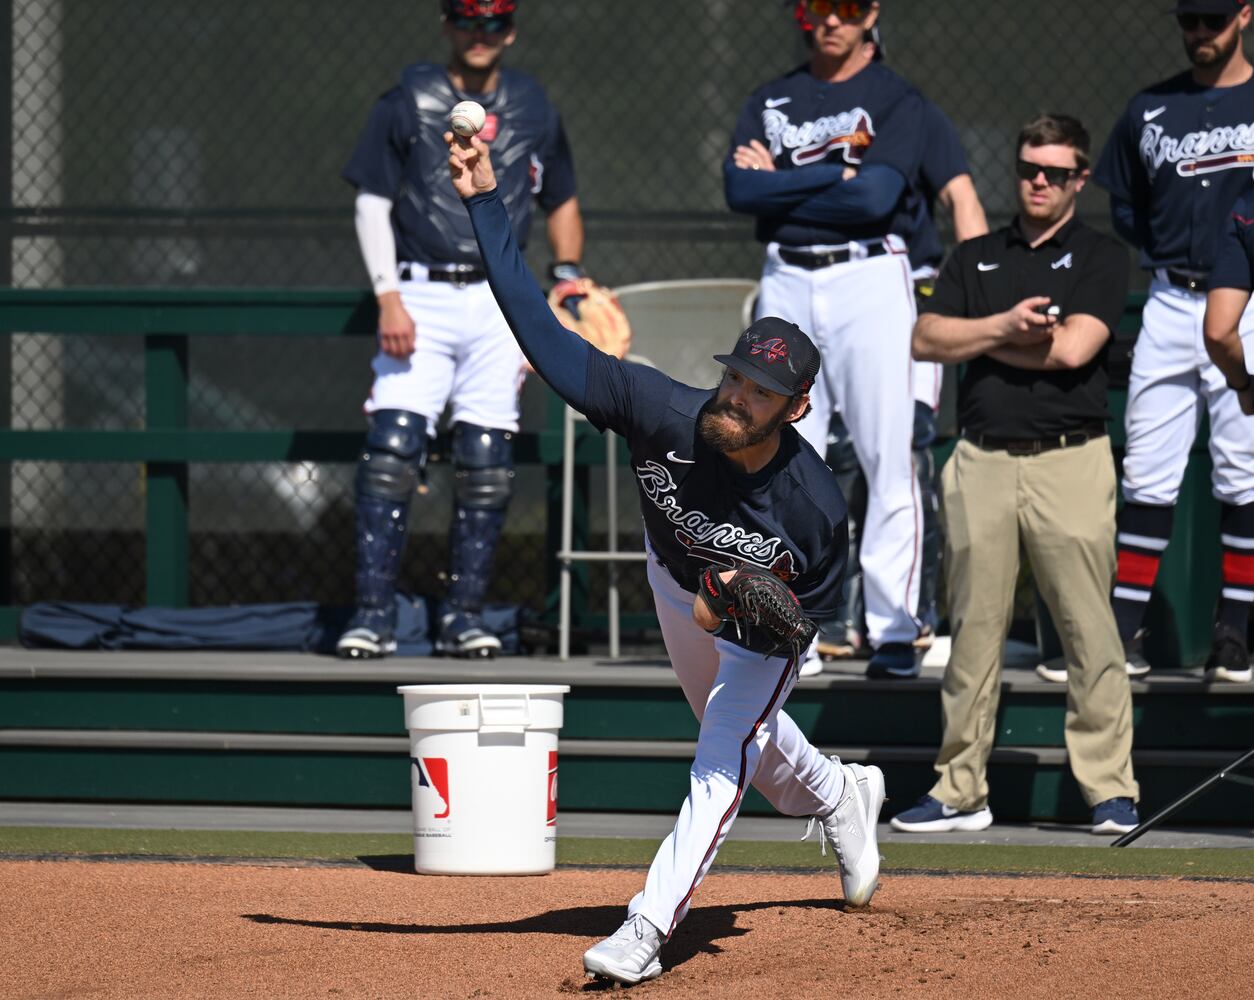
column 774, row 349
column 1229, row 147
column 703, row 536
column 433, row 776
column 853, row 131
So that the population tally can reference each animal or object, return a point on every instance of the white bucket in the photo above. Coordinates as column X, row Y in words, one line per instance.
column 483, row 771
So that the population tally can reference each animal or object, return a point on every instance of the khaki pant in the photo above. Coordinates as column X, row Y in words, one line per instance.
column 1061, row 504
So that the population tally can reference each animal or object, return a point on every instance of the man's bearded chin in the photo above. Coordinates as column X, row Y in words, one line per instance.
column 1216, row 53
column 724, row 428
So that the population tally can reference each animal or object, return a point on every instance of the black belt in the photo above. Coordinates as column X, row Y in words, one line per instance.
column 1184, row 279
column 1034, row 446
column 459, row 276
column 826, row 258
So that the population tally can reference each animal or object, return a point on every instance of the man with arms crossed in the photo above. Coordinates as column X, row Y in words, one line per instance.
column 1030, row 309
column 725, row 481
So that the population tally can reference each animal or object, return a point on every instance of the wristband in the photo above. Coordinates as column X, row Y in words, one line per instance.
column 565, row 270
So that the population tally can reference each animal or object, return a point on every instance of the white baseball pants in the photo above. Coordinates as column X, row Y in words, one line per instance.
column 745, row 737
column 860, row 315
column 464, row 353
column 1172, row 380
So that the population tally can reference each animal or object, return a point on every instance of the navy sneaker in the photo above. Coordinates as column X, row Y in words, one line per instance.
column 930, row 815
column 1115, row 816
column 463, row 634
column 894, row 659
column 1229, row 659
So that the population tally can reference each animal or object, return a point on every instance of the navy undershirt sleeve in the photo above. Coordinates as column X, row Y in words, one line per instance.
column 869, row 197
column 559, row 356
column 1123, row 219
column 775, row 192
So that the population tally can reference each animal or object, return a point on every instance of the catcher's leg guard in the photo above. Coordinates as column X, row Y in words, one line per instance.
column 483, row 463
column 844, row 634
column 925, row 470
column 387, row 476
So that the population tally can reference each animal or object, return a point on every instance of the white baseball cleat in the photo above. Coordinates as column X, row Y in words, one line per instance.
column 364, row 644
column 628, row 956
column 851, row 829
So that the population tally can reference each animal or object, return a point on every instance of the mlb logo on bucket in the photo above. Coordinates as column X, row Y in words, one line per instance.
column 552, row 810
column 432, row 776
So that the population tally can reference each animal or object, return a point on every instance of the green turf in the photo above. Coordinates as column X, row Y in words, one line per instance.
column 1208, row 863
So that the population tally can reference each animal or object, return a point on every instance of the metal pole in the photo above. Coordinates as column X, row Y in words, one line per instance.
column 1184, row 800
column 568, row 490
column 611, row 506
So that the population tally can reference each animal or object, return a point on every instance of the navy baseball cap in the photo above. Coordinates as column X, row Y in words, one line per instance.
column 777, row 355
column 1209, row 6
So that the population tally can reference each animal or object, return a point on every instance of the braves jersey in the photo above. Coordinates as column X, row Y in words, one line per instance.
column 873, row 117
column 401, row 155
column 1180, row 155
column 1234, row 259
column 788, row 517
column 941, row 161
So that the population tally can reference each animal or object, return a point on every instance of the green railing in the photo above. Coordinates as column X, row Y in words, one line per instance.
column 166, row 319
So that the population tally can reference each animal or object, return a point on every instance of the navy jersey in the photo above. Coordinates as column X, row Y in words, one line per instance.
column 942, row 160
column 698, row 509
column 875, row 117
column 401, row 155
column 1180, row 155
column 1234, row 259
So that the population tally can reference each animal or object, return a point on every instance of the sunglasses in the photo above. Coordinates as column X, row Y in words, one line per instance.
column 1057, row 176
column 1211, row 22
column 844, row 11
column 488, row 25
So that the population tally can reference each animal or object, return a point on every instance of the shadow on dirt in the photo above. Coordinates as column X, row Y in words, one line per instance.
column 698, row 934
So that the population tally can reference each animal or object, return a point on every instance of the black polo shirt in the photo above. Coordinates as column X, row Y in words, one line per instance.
column 1082, row 271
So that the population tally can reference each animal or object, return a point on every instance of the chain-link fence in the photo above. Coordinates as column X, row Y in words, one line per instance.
column 175, row 143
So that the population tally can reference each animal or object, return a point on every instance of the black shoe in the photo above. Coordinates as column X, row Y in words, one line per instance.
column 898, row 660
column 1229, row 658
column 1136, row 664
column 463, row 634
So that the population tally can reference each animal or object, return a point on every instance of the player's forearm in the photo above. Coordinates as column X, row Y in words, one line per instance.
column 869, row 197
column 1123, row 219
column 774, row 192
column 565, row 226
column 559, row 356
column 952, row 340
column 373, row 219
column 1224, row 307
column 960, row 200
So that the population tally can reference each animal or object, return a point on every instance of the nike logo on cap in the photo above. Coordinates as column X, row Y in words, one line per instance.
column 981, row 266
column 775, row 102
column 671, row 456
column 1149, row 116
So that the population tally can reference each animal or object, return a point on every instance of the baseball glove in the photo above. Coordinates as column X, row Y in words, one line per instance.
column 592, row 312
column 765, row 614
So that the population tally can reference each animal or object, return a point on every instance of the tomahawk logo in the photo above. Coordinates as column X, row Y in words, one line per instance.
column 432, row 776
column 774, row 349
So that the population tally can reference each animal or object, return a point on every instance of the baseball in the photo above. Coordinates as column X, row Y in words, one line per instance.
column 467, row 118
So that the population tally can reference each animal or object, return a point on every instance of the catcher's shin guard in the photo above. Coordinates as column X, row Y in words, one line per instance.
column 387, row 476
column 483, row 460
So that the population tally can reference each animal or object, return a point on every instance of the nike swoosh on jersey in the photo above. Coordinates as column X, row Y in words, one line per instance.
column 986, row 267
column 775, row 102
column 671, row 456
column 1149, row 116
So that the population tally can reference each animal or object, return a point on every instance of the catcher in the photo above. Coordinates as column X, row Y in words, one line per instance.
column 746, row 533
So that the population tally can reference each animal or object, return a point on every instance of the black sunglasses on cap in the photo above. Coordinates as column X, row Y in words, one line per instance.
column 1211, row 22
column 488, row 25
column 1057, row 176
